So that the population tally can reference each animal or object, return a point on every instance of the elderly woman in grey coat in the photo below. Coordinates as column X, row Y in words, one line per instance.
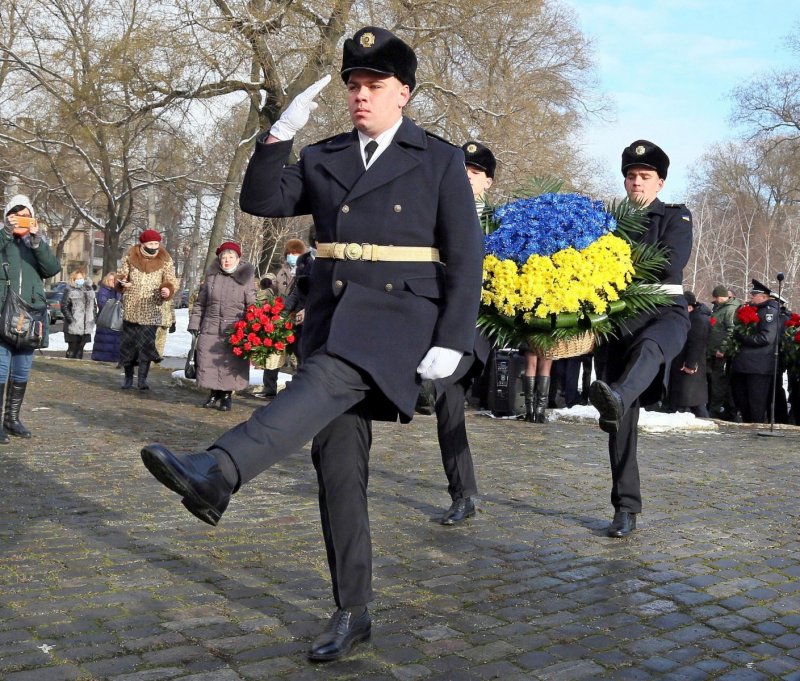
column 228, row 289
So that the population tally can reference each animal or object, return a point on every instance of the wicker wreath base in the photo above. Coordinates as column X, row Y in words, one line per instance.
column 273, row 361
column 571, row 347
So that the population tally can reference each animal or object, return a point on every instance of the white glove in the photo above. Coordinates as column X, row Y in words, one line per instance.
column 439, row 363
column 297, row 113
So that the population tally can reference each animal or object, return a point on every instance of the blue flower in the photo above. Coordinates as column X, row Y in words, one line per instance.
column 546, row 224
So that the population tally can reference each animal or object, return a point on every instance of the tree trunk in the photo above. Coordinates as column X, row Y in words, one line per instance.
column 227, row 200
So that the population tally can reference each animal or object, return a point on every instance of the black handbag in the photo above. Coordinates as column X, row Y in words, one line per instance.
column 110, row 316
column 190, row 370
column 22, row 326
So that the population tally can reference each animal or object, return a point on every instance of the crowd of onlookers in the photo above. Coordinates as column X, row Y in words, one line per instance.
column 722, row 372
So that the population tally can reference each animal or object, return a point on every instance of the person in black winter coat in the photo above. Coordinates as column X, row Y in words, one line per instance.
column 754, row 363
column 688, row 387
column 105, row 347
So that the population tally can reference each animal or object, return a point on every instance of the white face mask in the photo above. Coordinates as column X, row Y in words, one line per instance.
column 291, row 259
column 79, row 282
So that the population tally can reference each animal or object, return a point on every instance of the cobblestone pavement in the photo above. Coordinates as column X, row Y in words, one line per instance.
column 105, row 576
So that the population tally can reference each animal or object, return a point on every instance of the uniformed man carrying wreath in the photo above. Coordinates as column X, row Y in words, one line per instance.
column 450, row 393
column 393, row 298
column 631, row 367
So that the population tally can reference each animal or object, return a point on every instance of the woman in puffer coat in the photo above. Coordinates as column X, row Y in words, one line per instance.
column 228, row 289
column 147, row 279
column 106, row 341
column 80, row 311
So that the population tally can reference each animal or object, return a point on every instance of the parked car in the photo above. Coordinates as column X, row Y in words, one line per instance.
column 54, row 299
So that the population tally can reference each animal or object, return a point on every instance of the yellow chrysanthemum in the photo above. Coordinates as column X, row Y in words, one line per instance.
column 568, row 281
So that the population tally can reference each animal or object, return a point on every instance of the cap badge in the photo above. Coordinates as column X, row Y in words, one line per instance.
column 472, row 148
column 367, row 39
column 640, row 150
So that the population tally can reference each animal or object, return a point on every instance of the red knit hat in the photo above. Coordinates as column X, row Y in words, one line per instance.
column 230, row 246
column 149, row 235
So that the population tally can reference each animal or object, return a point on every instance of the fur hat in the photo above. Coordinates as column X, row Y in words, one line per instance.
column 294, row 246
column 229, row 246
column 379, row 50
column 149, row 235
column 480, row 156
column 647, row 154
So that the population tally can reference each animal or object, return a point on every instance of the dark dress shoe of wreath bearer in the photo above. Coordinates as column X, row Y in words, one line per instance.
column 344, row 630
column 608, row 403
column 205, row 480
column 459, row 510
column 623, row 524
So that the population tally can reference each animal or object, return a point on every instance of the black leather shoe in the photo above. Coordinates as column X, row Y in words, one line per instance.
column 225, row 402
column 196, row 477
column 343, row 632
column 608, row 402
column 458, row 511
column 623, row 524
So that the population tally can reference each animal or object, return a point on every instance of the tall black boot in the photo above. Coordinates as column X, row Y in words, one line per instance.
column 128, row 384
column 225, row 401
column 529, row 389
column 4, row 439
column 14, row 396
column 542, row 397
column 144, row 369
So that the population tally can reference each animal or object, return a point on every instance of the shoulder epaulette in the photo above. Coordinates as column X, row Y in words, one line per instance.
column 681, row 206
column 438, row 137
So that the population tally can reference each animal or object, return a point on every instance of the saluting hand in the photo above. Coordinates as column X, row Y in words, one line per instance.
column 298, row 112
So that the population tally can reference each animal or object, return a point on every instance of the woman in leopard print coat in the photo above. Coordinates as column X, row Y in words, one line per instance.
column 147, row 280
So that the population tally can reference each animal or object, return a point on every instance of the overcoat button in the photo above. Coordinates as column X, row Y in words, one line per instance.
column 345, row 209
column 338, row 283
column 397, row 208
column 388, row 287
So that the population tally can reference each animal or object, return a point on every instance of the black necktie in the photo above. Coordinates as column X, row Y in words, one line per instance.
column 369, row 149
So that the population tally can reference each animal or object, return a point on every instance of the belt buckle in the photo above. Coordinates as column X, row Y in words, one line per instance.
column 353, row 251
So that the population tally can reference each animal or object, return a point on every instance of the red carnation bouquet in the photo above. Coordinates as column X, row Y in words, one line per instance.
column 744, row 324
column 263, row 335
column 790, row 343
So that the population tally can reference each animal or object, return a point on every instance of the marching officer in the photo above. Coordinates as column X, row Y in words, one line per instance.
column 450, row 393
column 631, row 367
column 754, row 363
column 393, row 298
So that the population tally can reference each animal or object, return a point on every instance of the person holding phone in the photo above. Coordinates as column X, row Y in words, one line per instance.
column 27, row 261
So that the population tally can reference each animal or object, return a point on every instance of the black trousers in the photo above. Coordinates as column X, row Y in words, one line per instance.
column 629, row 370
column 453, row 443
column 340, row 453
column 324, row 401
column 751, row 393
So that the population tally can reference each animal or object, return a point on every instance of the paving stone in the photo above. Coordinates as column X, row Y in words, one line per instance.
column 134, row 589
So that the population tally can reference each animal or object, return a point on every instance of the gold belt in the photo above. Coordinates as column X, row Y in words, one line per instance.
column 376, row 253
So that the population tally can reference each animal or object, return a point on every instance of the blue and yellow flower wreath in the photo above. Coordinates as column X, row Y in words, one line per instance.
column 561, row 265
